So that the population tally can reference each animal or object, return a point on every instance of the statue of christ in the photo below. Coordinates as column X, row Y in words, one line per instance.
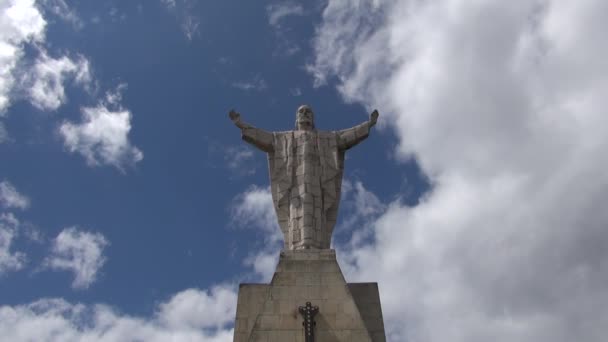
column 306, row 167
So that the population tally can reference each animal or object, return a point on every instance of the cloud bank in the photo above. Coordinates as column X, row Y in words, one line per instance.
column 58, row 320
column 502, row 105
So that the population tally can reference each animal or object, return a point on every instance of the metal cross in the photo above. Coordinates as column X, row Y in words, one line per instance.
column 309, row 323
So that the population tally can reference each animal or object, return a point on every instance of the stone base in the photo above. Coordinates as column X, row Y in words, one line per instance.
column 347, row 312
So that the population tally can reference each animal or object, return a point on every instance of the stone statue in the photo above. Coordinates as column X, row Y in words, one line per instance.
column 306, row 167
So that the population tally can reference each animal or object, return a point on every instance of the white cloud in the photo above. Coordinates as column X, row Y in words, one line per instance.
column 47, row 78
column 503, row 106
column 80, row 252
column 183, row 10
column 42, row 79
column 360, row 201
column 277, row 14
column 102, row 137
column 20, row 23
column 264, row 262
column 59, row 320
column 9, row 260
column 195, row 309
column 61, row 9
column 257, row 83
column 279, row 11
column 254, row 209
column 359, row 208
column 190, row 26
column 239, row 159
column 11, row 198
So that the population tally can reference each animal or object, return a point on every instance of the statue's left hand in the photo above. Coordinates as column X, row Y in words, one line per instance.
column 234, row 116
column 373, row 117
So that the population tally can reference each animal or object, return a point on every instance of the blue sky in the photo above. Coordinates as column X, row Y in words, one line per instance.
column 130, row 209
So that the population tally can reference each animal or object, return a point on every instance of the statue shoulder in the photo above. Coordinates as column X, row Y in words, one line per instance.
column 283, row 133
column 283, row 139
column 327, row 134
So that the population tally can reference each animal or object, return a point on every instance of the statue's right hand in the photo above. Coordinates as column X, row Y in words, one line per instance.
column 234, row 116
column 373, row 117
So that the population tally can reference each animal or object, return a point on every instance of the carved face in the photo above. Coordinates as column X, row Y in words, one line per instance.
column 305, row 118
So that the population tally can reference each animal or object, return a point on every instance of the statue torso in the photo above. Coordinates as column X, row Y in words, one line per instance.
column 308, row 159
column 305, row 177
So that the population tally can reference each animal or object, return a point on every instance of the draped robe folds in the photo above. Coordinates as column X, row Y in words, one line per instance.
column 306, row 169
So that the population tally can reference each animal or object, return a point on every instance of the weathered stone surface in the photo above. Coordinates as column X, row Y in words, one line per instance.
column 347, row 312
column 306, row 167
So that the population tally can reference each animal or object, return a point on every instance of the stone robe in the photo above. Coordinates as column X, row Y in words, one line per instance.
column 306, row 170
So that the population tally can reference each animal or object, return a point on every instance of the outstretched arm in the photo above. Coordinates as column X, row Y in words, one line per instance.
column 350, row 137
column 255, row 136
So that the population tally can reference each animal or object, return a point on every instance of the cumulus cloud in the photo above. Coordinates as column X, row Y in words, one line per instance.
column 40, row 79
column 502, row 105
column 360, row 201
column 195, row 309
column 254, row 209
column 20, row 23
column 279, row 11
column 359, row 208
column 79, row 252
column 9, row 260
column 47, row 78
column 102, row 136
column 59, row 320
column 263, row 262
column 11, row 198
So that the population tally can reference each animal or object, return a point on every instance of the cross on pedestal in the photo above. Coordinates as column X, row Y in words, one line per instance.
column 309, row 312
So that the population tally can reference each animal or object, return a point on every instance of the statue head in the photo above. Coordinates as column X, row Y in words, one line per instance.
column 305, row 118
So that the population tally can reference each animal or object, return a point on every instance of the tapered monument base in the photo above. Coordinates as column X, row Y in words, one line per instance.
column 276, row 312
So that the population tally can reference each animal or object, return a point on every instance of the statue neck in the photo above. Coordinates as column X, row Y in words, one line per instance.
column 301, row 127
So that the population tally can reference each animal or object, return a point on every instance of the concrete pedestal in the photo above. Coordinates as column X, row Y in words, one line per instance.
column 347, row 312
